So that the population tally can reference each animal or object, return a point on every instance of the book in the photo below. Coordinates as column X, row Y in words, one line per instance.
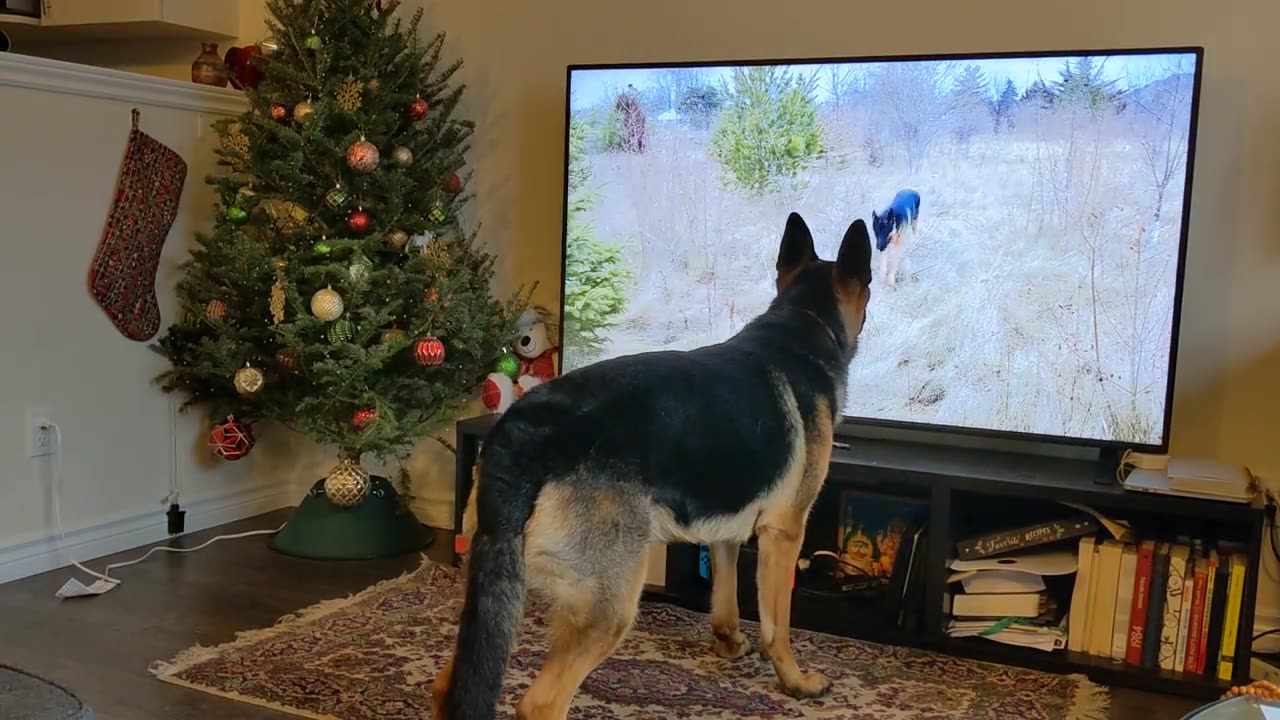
column 1195, row 630
column 1169, row 623
column 1138, row 610
column 999, row 581
column 1155, row 607
column 872, row 527
column 996, row 543
column 1217, row 613
column 1079, row 612
column 1210, row 576
column 997, row 605
column 1231, row 622
column 1124, row 602
column 1184, row 617
column 1102, row 610
column 1014, row 631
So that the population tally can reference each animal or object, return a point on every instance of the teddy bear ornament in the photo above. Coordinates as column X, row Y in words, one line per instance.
column 533, row 363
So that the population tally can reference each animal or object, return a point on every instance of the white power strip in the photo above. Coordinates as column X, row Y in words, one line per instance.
column 1263, row 670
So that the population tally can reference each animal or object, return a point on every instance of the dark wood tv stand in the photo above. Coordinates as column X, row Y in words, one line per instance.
column 954, row 480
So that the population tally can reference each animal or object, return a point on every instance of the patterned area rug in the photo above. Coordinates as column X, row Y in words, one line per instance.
column 374, row 656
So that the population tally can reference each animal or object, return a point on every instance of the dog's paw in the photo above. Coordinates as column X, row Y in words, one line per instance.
column 810, row 685
column 731, row 646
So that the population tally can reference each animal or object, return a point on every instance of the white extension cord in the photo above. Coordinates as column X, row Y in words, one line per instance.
column 104, row 582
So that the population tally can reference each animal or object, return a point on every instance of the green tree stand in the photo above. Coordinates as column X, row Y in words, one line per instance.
column 381, row 526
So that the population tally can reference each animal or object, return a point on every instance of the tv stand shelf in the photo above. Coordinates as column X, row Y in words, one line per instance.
column 950, row 477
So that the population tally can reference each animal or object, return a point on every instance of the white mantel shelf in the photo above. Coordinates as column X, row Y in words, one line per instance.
column 25, row 71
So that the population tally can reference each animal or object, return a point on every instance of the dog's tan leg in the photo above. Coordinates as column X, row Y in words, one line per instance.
column 439, row 691
column 584, row 633
column 728, row 641
column 895, row 258
column 779, row 550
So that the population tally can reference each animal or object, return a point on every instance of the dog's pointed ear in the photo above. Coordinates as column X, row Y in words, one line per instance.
column 854, row 260
column 797, row 245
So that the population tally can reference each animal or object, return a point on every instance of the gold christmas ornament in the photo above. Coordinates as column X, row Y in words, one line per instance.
column 287, row 216
column 277, row 300
column 347, row 484
column 270, row 46
column 248, row 380
column 373, row 84
column 393, row 335
column 349, row 96
column 302, row 111
column 359, row 270
column 398, row 239
column 401, row 156
column 235, row 141
column 436, row 253
column 327, row 305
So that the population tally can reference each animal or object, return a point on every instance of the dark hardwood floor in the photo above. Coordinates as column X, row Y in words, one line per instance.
column 101, row 647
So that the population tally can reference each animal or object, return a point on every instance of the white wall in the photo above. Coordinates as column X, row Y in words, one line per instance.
column 61, row 146
column 1228, row 385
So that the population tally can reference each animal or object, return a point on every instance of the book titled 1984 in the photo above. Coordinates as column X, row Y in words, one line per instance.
column 998, row 543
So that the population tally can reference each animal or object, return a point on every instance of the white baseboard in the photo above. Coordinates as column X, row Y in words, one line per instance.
column 42, row 554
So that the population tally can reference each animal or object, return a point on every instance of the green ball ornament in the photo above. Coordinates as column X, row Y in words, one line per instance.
column 237, row 215
column 336, row 198
column 313, row 42
column 341, row 331
column 322, row 248
column 508, row 364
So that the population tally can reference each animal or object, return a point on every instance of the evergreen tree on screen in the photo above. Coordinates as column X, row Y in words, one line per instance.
column 338, row 293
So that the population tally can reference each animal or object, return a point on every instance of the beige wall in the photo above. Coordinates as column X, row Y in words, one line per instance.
column 1228, row 387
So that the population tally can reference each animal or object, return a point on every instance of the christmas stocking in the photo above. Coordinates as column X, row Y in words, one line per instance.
column 123, row 276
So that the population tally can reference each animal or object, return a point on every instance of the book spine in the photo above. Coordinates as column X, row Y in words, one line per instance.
column 1078, row 614
column 1195, row 631
column 1155, row 610
column 1210, row 577
column 1138, row 608
column 1231, row 625
column 1184, row 618
column 1172, row 606
column 982, row 546
column 1218, row 614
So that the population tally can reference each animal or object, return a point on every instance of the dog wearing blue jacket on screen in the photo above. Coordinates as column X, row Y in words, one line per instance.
column 890, row 227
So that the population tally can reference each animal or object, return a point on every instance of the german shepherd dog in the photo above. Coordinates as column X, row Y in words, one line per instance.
column 711, row 445
column 890, row 226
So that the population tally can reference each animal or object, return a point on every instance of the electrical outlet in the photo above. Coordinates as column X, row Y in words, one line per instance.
column 39, row 433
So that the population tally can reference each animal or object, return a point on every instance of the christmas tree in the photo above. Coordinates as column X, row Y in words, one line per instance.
column 339, row 294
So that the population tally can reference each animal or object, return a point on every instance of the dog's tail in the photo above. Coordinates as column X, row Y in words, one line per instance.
column 495, row 598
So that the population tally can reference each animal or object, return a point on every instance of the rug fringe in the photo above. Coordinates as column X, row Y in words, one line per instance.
column 166, row 669
column 1089, row 701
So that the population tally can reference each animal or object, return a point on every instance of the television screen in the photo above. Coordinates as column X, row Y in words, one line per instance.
column 1028, row 215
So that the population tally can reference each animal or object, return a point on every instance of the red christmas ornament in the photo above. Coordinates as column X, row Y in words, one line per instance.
column 243, row 72
column 453, row 183
column 429, row 351
column 364, row 418
column 279, row 113
column 359, row 222
column 363, row 156
column 231, row 440
column 417, row 108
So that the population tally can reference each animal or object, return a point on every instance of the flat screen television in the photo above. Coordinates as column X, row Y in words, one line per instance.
column 1029, row 213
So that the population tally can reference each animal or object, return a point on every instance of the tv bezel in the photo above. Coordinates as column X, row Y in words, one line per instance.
column 849, row 422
